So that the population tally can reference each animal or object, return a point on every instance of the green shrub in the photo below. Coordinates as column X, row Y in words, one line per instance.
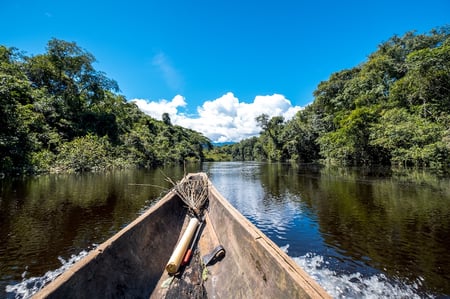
column 87, row 153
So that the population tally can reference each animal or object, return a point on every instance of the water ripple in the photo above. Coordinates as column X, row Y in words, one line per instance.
column 357, row 285
column 30, row 286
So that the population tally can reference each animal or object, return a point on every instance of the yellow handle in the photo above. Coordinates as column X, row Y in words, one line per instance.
column 178, row 254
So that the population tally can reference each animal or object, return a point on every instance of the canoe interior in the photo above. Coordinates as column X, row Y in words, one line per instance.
column 131, row 264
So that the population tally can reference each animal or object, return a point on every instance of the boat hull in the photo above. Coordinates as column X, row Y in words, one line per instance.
column 132, row 263
column 254, row 267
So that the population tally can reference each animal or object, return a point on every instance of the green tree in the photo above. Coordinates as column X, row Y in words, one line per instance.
column 350, row 143
column 410, row 139
column 166, row 119
column 87, row 153
column 67, row 74
column 272, row 133
column 301, row 135
column 426, row 86
column 15, row 90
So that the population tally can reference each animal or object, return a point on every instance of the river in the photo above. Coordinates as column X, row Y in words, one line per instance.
column 361, row 233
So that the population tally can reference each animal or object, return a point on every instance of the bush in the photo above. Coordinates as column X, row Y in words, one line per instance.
column 42, row 161
column 87, row 153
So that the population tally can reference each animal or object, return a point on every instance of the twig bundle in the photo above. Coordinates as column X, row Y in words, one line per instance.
column 193, row 191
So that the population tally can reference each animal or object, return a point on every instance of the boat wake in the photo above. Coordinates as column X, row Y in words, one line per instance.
column 353, row 285
column 356, row 285
column 29, row 286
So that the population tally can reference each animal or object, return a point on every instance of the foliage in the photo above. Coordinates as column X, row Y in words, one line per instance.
column 410, row 139
column 58, row 113
column 392, row 109
column 87, row 153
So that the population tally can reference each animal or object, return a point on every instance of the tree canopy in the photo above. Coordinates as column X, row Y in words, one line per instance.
column 58, row 113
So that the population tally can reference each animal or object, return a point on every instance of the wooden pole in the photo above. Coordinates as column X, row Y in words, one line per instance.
column 178, row 254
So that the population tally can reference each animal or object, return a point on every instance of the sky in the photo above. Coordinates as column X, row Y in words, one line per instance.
column 216, row 65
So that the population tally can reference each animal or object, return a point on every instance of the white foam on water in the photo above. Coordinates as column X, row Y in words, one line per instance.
column 29, row 286
column 355, row 285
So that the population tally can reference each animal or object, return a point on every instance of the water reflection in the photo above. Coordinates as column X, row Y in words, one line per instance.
column 272, row 213
column 400, row 227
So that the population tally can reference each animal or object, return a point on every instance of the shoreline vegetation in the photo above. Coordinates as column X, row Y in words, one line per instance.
column 59, row 114
column 392, row 110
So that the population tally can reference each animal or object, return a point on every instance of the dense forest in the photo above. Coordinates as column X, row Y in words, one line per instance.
column 393, row 109
column 57, row 113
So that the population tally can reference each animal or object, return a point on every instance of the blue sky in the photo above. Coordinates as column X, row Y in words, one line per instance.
column 215, row 65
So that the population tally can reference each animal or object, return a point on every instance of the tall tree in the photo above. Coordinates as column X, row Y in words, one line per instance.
column 15, row 91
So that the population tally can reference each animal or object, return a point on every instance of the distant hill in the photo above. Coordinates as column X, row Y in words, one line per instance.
column 219, row 144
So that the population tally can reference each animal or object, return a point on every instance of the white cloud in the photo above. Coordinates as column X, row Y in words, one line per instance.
column 223, row 119
column 156, row 109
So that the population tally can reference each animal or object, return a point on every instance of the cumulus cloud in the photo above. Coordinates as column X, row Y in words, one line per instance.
column 156, row 109
column 223, row 119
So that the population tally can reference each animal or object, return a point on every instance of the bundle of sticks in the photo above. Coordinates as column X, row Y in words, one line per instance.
column 193, row 191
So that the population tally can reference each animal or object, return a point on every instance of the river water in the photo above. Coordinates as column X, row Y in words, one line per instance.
column 361, row 233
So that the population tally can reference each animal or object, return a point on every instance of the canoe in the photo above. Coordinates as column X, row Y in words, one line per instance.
column 132, row 263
